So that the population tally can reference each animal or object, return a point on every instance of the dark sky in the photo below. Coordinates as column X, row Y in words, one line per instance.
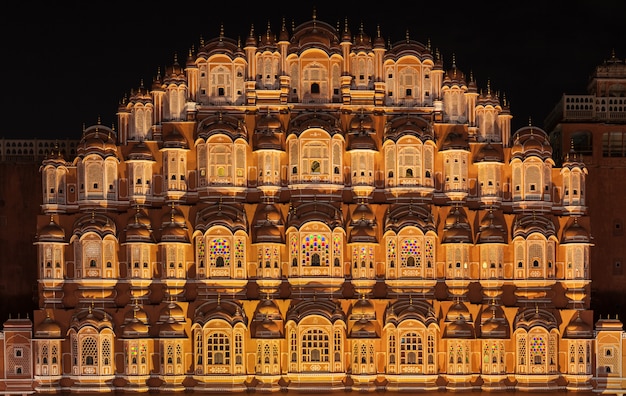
column 68, row 64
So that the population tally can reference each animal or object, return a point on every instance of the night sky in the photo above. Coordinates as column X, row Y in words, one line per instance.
column 68, row 64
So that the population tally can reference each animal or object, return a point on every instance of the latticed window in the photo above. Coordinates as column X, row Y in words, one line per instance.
column 238, row 348
column 219, row 252
column 218, row 349
column 44, row 354
column 54, row 354
column 199, row 348
column 315, row 346
column 337, row 341
column 89, row 351
column 293, row 346
column 106, row 352
column 391, row 346
column 411, row 349
column 411, row 252
column 521, row 356
column 391, row 252
column 537, row 350
column 315, row 251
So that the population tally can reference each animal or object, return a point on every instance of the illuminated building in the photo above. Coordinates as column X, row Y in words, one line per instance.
column 316, row 210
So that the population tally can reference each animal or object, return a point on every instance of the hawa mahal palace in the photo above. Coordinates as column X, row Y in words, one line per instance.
column 313, row 209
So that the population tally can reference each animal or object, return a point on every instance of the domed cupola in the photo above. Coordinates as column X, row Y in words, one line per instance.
column 54, row 158
column 408, row 47
column 157, row 82
column 488, row 98
column 174, row 74
column 573, row 160
column 492, row 229
column 379, row 41
column 315, row 34
column 267, row 321
column 98, row 140
column 305, row 212
column 175, row 140
column 346, row 35
column 454, row 77
column 577, row 328
column 360, row 133
column 408, row 125
column 140, row 95
column 457, row 228
column 574, row 232
column 222, row 45
column 489, row 152
column 268, row 40
column 493, row 323
column 456, row 139
column 363, row 225
column 362, row 41
column 459, row 328
column 221, row 123
column 139, row 228
column 251, row 39
column 283, row 35
column 51, row 232
column 526, row 224
column 266, row 133
column 48, row 328
column 174, row 227
column 172, row 321
column 135, row 323
column 363, row 309
column 139, row 152
column 531, row 141
column 98, row 223
column 268, row 224
column 399, row 216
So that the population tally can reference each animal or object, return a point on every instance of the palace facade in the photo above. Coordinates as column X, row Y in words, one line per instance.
column 313, row 210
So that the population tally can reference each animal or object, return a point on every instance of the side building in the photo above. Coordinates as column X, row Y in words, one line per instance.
column 593, row 125
column 316, row 211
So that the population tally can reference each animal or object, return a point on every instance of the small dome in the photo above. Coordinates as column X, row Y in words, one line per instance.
column 174, row 226
column 171, row 329
column 52, row 232
column 135, row 328
column 269, row 122
column 457, row 228
column 489, row 153
column 267, row 328
column 139, row 227
column 459, row 329
column 268, row 309
column 363, row 328
column 493, row 323
column 363, row 212
column 363, row 308
column 577, row 328
column 361, row 122
column 99, row 140
column 175, row 140
column 575, row 233
column 531, row 141
column 458, row 310
column 455, row 140
column 492, row 229
column 267, row 141
column 48, row 328
column 140, row 151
